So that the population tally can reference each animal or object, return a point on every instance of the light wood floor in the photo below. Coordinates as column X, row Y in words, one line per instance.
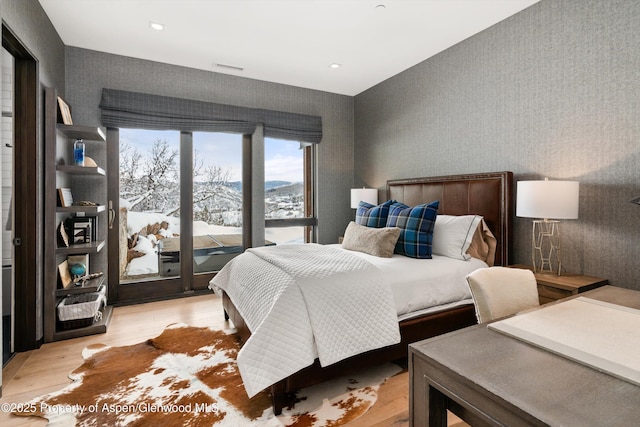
column 41, row 371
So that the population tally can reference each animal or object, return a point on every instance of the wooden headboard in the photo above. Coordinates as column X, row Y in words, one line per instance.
column 486, row 194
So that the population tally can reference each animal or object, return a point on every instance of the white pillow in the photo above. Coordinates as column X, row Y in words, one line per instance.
column 452, row 235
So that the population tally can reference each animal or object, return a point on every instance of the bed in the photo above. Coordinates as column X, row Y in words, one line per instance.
column 488, row 195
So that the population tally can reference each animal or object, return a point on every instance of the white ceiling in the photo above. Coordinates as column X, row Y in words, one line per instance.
column 283, row 41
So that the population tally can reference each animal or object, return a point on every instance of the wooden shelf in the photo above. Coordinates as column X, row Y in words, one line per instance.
column 88, row 286
column 88, row 133
column 82, row 248
column 59, row 171
column 81, row 209
column 98, row 327
column 81, row 170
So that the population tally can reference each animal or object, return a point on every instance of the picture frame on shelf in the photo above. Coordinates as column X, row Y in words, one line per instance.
column 94, row 226
column 80, row 229
column 82, row 232
column 65, row 198
column 64, row 112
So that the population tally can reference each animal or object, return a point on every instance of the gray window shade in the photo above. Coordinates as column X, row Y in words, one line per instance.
column 123, row 109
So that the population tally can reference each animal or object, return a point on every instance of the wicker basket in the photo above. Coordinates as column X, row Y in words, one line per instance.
column 81, row 310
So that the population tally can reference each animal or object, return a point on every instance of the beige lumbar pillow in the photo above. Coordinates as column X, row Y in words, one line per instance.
column 373, row 241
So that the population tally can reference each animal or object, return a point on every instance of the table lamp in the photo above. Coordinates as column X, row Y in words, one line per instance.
column 548, row 201
column 369, row 195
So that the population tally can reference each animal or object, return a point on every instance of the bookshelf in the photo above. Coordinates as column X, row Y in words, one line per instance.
column 61, row 173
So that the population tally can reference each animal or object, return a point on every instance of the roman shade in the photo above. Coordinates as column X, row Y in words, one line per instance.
column 146, row 111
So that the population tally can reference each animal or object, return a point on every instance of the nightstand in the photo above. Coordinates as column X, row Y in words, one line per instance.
column 552, row 287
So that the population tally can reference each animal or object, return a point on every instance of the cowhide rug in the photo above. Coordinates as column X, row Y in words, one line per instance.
column 188, row 377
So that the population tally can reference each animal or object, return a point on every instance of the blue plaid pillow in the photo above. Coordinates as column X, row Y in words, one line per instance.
column 416, row 228
column 373, row 216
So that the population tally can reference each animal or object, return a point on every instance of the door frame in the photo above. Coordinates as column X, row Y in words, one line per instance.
column 145, row 290
column 27, row 197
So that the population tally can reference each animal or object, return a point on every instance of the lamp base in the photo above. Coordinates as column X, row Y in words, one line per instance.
column 545, row 247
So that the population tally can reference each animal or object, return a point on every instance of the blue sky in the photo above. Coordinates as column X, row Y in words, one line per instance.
column 283, row 159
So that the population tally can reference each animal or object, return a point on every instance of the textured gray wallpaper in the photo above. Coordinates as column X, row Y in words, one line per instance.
column 27, row 20
column 87, row 72
column 553, row 91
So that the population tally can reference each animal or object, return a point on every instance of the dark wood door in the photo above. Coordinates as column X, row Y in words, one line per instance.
column 27, row 196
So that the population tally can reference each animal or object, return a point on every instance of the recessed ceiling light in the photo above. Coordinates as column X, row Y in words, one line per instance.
column 335, row 65
column 380, row 6
column 156, row 25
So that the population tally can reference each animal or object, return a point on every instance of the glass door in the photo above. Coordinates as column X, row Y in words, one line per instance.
column 144, row 209
column 149, row 202
column 179, row 212
column 172, row 186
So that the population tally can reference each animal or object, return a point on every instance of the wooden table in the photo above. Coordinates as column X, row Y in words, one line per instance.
column 488, row 378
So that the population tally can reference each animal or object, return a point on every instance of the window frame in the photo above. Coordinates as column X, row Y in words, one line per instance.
column 188, row 281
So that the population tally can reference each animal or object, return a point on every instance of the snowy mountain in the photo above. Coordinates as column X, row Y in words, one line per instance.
column 237, row 185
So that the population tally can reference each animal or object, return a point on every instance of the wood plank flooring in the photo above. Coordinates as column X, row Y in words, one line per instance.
column 41, row 371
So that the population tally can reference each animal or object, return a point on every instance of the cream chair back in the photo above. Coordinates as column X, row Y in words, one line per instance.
column 502, row 291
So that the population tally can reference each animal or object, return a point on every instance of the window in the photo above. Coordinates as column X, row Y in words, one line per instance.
column 288, row 195
column 217, row 200
column 194, row 193
column 165, row 175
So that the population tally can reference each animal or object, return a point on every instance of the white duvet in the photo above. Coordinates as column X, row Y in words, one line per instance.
column 305, row 301
column 420, row 286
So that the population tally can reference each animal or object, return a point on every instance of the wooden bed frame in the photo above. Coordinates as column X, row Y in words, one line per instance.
column 485, row 194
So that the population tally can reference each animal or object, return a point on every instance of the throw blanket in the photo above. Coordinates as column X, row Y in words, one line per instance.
column 305, row 301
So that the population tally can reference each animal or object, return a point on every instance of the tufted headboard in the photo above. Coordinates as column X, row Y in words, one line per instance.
column 489, row 195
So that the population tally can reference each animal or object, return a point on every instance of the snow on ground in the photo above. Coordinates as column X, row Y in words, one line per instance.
column 147, row 264
column 136, row 221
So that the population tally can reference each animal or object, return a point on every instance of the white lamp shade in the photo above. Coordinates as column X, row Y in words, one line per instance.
column 369, row 195
column 547, row 199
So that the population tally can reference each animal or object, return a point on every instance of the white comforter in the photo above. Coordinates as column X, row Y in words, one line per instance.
column 305, row 301
column 420, row 286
